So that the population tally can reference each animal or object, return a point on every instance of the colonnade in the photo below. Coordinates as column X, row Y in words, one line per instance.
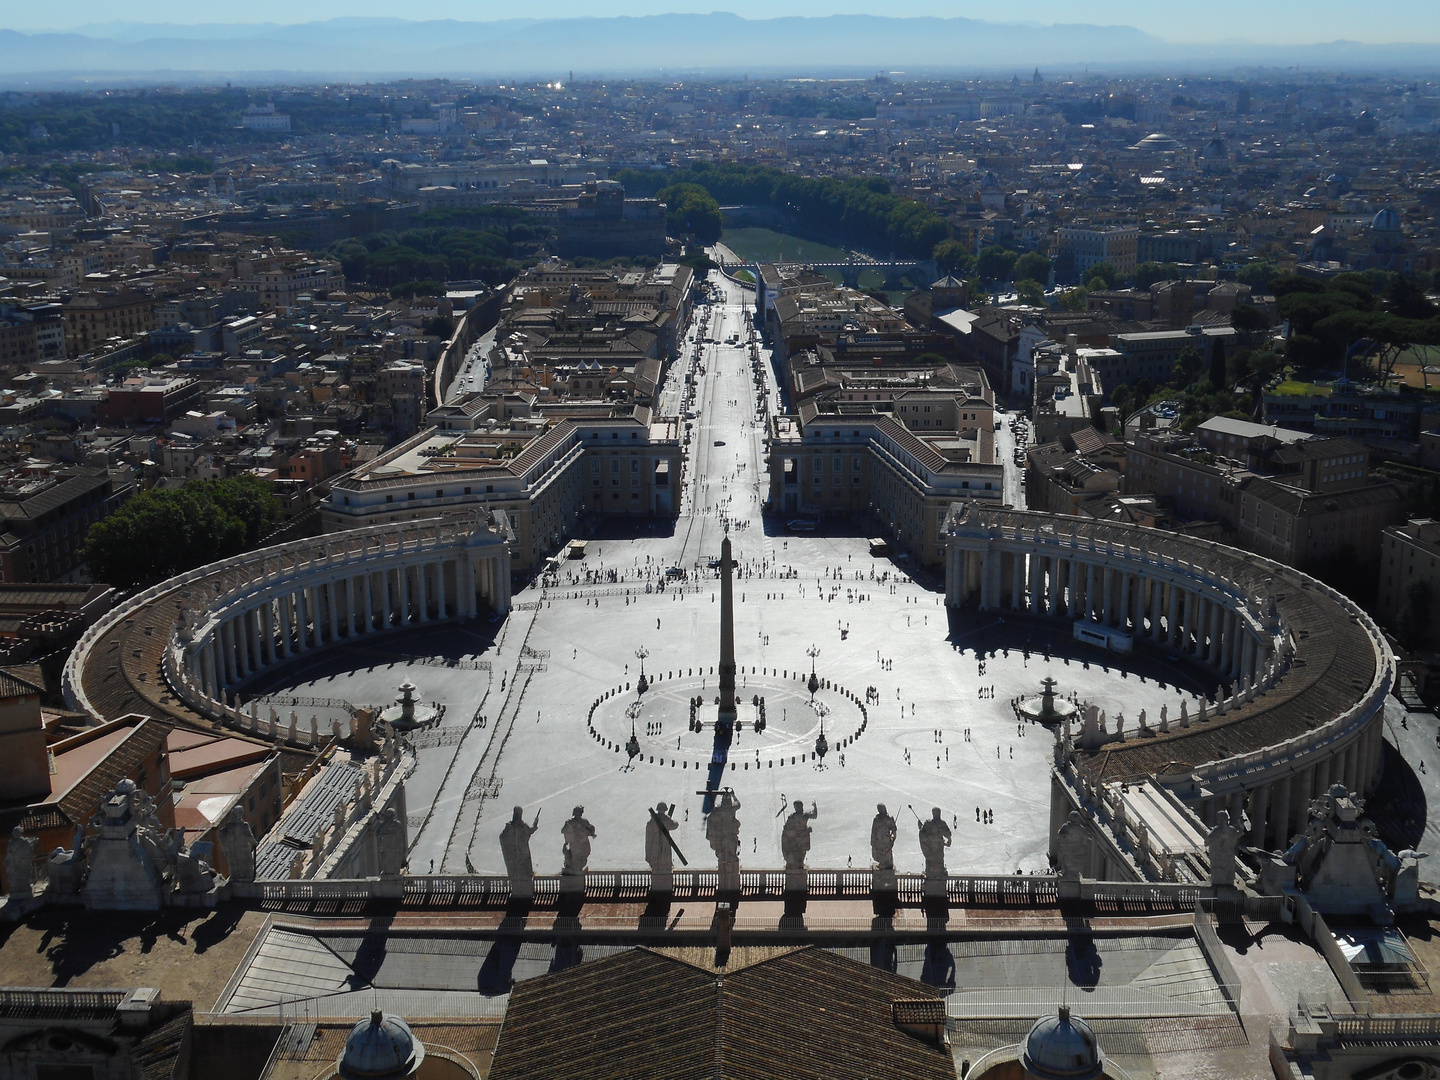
column 348, row 602
column 1190, row 615
column 226, row 622
column 1219, row 607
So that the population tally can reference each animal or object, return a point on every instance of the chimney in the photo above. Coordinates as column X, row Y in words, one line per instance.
column 724, row 923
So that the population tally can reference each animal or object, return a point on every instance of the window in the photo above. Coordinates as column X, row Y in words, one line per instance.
column 439, row 493
column 489, row 488
column 389, row 498
column 412, row 494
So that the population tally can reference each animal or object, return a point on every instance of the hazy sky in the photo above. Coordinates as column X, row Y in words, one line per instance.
column 1280, row 21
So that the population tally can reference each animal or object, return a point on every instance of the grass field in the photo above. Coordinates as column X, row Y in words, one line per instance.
column 767, row 245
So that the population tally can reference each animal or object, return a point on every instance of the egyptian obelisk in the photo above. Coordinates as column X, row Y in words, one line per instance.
column 726, row 719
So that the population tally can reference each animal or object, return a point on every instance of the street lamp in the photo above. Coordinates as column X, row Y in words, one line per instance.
column 814, row 682
column 643, row 684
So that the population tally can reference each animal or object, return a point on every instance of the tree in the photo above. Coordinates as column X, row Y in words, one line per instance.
column 1121, row 397
column 1258, row 274
column 1033, row 266
column 1030, row 292
column 161, row 533
column 996, row 264
column 951, row 257
column 1102, row 276
column 692, row 211
column 1189, row 367
column 1148, row 273
column 1074, row 299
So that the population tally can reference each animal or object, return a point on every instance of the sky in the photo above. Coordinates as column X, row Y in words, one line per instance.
column 1277, row 21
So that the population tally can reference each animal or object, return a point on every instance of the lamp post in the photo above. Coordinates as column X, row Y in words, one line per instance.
column 642, row 684
column 814, row 682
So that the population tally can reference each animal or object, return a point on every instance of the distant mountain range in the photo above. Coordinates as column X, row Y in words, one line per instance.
column 715, row 44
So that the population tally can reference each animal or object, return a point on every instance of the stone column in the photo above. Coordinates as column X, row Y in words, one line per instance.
column 227, row 652
column 284, row 604
column 1285, row 813
column 421, row 576
column 1187, row 622
column 252, row 628
column 1125, row 601
column 267, row 632
column 404, row 573
column 1108, row 588
column 387, row 613
column 207, row 670
column 985, row 580
column 1072, row 599
column 332, row 599
column 1089, row 608
column 1017, row 578
column 1212, row 654
column 1157, row 595
column 1259, row 811
column 1172, row 620
column 1036, row 583
column 302, row 619
column 440, row 588
column 368, row 600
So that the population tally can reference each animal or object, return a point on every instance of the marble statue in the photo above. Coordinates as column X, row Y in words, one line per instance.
column 658, row 847
column 67, row 867
column 722, row 829
column 390, row 843
column 515, row 846
column 20, row 866
column 934, row 839
column 237, row 840
column 795, row 837
column 1221, row 845
column 1072, row 846
column 882, row 839
column 193, row 875
column 576, row 850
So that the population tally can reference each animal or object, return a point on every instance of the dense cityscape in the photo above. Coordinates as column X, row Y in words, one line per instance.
column 352, row 435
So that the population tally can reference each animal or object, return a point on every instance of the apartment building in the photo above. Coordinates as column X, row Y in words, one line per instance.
column 93, row 318
column 46, row 518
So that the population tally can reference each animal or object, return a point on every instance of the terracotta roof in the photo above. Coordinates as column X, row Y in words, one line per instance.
column 644, row 1014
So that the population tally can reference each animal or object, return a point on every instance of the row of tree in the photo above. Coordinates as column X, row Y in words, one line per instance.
column 440, row 253
column 859, row 212
column 160, row 533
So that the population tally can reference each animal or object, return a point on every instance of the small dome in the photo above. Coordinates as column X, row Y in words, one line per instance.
column 1216, row 148
column 381, row 1048
column 1062, row 1047
column 1386, row 220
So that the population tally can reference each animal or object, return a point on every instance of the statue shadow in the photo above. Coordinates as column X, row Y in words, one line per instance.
column 938, row 969
column 74, row 944
column 497, row 972
column 1082, row 961
column 370, row 956
column 217, row 928
column 1398, row 806
column 568, row 953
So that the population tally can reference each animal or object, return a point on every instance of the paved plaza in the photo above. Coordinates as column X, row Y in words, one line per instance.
column 939, row 729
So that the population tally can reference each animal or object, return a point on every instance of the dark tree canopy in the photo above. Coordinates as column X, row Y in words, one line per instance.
column 160, row 533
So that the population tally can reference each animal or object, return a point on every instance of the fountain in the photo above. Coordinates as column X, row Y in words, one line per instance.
column 407, row 712
column 1046, row 709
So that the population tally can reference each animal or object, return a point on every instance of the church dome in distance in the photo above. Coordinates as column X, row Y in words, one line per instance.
column 1215, row 148
column 1386, row 220
column 1159, row 142
column 1062, row 1047
column 381, row 1048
